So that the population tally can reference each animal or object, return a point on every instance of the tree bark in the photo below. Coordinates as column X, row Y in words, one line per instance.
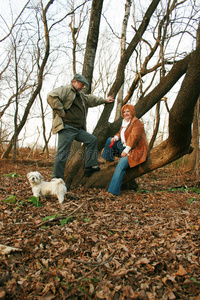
column 92, row 41
column 194, row 156
column 153, row 138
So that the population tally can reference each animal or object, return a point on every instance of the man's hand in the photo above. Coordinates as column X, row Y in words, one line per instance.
column 110, row 99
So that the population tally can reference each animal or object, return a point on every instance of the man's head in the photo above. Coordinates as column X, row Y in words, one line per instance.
column 79, row 82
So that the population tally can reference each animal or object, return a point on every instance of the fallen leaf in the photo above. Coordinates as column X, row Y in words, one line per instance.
column 181, row 271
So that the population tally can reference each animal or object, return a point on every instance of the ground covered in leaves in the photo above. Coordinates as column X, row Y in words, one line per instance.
column 139, row 245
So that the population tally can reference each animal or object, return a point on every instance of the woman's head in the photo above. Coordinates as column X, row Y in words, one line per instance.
column 128, row 112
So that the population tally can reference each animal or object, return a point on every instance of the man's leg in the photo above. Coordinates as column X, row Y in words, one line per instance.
column 91, row 153
column 65, row 139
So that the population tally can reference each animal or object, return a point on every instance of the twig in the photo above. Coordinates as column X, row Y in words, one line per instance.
column 98, row 266
column 64, row 216
column 95, row 263
column 79, row 279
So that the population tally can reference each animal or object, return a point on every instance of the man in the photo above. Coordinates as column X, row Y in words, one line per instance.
column 69, row 105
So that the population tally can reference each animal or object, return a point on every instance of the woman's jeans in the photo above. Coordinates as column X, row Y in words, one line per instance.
column 109, row 153
column 122, row 166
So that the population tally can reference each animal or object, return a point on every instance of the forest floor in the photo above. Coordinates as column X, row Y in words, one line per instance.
column 139, row 245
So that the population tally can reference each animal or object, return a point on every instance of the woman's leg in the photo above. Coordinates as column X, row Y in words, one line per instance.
column 108, row 153
column 116, row 181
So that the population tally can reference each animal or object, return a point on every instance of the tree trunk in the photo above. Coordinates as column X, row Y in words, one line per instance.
column 92, row 41
column 193, row 160
column 44, row 127
column 194, row 156
column 123, row 48
column 153, row 138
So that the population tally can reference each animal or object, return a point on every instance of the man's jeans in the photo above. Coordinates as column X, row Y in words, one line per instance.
column 108, row 154
column 65, row 138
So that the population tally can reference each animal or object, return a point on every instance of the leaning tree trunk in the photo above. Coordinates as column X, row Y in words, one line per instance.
column 178, row 142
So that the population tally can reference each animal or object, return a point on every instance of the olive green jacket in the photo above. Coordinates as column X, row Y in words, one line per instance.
column 61, row 99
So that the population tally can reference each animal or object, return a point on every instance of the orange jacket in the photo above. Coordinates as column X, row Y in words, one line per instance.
column 135, row 138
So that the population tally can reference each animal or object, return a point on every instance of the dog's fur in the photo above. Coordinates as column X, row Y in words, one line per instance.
column 56, row 187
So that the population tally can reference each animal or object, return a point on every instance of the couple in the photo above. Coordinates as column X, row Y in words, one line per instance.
column 69, row 106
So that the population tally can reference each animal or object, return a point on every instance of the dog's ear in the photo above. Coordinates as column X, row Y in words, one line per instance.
column 41, row 177
column 28, row 175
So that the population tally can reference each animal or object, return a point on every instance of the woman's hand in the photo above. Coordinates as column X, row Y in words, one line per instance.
column 123, row 154
column 113, row 139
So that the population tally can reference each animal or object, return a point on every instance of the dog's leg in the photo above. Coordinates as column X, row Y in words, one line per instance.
column 36, row 194
column 61, row 199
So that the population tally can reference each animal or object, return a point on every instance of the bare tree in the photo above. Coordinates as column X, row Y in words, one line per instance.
column 44, row 127
column 123, row 48
column 39, row 79
column 75, row 28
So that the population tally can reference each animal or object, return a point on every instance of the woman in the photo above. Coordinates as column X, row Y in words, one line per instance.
column 130, row 143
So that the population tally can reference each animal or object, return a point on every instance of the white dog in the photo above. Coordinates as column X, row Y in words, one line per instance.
column 56, row 187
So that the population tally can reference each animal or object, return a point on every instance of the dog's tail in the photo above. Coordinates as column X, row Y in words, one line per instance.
column 58, row 180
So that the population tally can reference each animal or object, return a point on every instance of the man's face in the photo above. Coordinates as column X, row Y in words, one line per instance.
column 78, row 85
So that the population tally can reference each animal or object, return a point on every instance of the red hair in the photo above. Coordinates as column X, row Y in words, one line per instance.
column 130, row 107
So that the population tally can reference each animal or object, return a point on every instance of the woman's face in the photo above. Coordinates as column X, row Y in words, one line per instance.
column 127, row 114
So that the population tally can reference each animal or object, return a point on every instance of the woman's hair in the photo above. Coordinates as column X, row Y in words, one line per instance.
column 130, row 107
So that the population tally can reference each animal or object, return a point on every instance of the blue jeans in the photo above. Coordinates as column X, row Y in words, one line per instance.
column 65, row 138
column 109, row 153
column 116, row 181
column 122, row 166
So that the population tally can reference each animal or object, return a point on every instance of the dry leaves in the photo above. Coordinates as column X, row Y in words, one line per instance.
column 136, row 246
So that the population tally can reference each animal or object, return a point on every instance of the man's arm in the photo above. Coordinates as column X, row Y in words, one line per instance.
column 54, row 100
column 92, row 100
